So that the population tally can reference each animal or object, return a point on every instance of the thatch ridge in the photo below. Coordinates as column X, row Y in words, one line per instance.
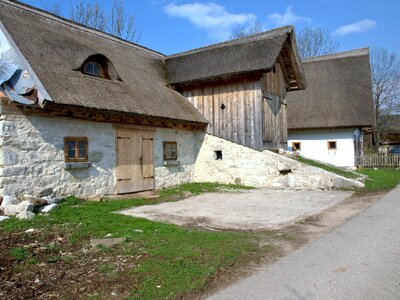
column 257, row 53
column 344, row 54
column 338, row 95
column 257, row 36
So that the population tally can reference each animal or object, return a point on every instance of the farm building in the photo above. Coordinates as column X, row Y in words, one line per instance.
column 390, row 135
column 86, row 113
column 240, row 87
column 332, row 119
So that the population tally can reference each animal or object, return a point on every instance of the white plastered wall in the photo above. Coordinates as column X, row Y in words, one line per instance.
column 314, row 145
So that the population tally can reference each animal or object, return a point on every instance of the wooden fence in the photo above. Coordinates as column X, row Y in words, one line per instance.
column 378, row 161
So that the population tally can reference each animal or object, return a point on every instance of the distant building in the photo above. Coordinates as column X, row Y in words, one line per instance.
column 331, row 121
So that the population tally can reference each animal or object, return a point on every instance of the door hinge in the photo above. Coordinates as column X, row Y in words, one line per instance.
column 124, row 179
column 148, row 139
column 152, row 177
column 123, row 138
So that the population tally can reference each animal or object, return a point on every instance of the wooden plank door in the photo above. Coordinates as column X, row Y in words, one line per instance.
column 135, row 169
column 272, row 121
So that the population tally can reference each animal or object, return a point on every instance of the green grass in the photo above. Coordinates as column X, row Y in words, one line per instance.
column 199, row 188
column 19, row 253
column 336, row 170
column 175, row 260
column 380, row 180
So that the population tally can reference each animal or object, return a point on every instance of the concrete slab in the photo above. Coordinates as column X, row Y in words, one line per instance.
column 255, row 210
column 107, row 242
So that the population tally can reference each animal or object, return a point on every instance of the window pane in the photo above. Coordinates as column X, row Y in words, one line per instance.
column 89, row 68
column 71, row 153
column 82, row 153
column 168, row 150
column 71, row 145
column 96, row 70
column 82, row 145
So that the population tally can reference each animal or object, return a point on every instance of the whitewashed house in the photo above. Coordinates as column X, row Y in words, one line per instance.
column 331, row 120
column 85, row 113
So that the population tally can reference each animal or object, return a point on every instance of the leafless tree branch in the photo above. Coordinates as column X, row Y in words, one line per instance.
column 117, row 23
column 385, row 68
column 243, row 30
column 315, row 41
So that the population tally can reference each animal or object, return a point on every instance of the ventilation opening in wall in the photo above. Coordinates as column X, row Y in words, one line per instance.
column 218, row 155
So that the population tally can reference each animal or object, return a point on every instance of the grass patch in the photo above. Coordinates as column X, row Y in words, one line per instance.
column 199, row 188
column 380, row 180
column 19, row 253
column 168, row 261
column 329, row 168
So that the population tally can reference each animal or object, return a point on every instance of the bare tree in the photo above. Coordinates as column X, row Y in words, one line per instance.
column 117, row 23
column 243, row 30
column 121, row 24
column 385, row 67
column 315, row 41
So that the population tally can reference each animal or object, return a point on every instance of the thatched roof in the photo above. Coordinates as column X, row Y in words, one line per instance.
column 338, row 94
column 55, row 48
column 256, row 53
column 391, row 124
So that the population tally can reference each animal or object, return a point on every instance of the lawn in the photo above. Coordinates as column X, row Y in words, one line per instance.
column 380, row 180
column 157, row 261
column 329, row 168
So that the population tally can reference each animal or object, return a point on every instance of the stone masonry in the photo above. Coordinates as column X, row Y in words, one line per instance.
column 243, row 165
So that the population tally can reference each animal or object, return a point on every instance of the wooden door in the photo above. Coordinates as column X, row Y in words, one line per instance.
column 274, row 122
column 135, row 168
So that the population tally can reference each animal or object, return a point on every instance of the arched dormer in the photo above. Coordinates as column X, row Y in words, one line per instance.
column 98, row 65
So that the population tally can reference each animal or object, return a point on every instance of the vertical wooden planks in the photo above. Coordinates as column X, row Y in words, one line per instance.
column 247, row 118
column 241, row 114
column 257, row 115
column 147, row 160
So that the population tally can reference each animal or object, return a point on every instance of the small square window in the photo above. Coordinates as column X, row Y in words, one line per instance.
column 332, row 145
column 218, row 155
column 76, row 149
column 296, row 146
column 170, row 150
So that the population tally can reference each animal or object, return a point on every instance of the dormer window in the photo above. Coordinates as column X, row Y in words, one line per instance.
column 94, row 69
column 99, row 66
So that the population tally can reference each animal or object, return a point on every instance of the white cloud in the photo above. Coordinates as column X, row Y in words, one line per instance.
column 209, row 16
column 357, row 27
column 288, row 18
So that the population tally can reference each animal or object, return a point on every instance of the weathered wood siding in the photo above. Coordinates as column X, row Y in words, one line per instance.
column 273, row 86
column 240, row 119
column 248, row 112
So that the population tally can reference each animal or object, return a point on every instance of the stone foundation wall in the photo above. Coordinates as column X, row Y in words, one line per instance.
column 32, row 157
column 250, row 167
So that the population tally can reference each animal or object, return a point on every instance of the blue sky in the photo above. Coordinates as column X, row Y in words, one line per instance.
column 173, row 26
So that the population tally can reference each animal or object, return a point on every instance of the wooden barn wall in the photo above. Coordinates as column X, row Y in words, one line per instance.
column 240, row 121
column 274, row 82
column 254, row 113
column 274, row 110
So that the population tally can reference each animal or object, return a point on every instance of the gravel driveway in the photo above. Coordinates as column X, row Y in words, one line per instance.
column 255, row 210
